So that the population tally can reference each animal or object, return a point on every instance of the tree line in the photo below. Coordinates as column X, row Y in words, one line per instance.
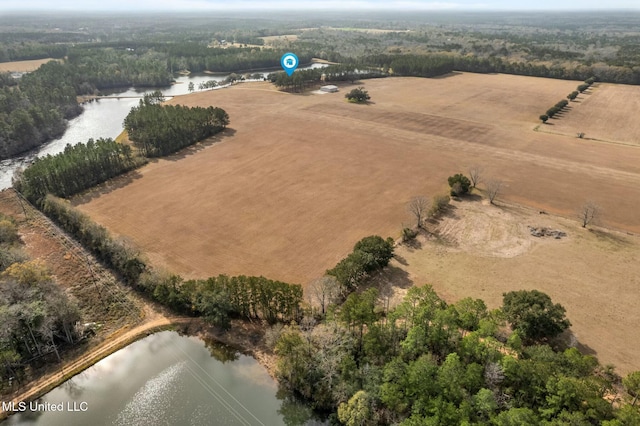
column 559, row 106
column 159, row 130
column 431, row 65
column 217, row 299
column 77, row 168
column 302, row 79
column 21, row 51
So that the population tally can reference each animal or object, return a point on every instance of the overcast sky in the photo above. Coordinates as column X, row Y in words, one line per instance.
column 190, row 5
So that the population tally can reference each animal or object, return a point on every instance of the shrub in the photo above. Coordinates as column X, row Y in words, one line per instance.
column 439, row 204
column 358, row 95
column 408, row 234
column 8, row 231
column 459, row 184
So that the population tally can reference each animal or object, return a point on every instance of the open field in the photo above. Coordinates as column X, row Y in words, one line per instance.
column 287, row 38
column 483, row 251
column 604, row 112
column 298, row 179
column 23, row 66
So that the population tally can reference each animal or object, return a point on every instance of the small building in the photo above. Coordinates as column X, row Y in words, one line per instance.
column 329, row 88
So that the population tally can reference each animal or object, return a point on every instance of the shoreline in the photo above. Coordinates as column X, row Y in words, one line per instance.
column 75, row 366
column 241, row 340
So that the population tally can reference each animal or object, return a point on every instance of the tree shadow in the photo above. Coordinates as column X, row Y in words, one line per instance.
column 412, row 244
column 106, row 187
column 569, row 340
column 199, row 146
column 473, row 197
column 448, row 75
column 389, row 280
column 450, row 211
column 610, row 237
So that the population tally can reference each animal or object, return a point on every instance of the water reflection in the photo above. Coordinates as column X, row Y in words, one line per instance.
column 172, row 380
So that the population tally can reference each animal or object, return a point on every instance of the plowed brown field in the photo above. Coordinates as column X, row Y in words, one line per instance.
column 605, row 112
column 298, row 179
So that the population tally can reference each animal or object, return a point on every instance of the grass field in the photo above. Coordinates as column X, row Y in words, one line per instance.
column 603, row 113
column 296, row 180
column 23, row 66
column 484, row 251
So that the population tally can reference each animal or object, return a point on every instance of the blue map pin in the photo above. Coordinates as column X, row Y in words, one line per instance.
column 289, row 62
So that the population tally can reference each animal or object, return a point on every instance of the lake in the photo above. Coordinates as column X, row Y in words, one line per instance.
column 168, row 379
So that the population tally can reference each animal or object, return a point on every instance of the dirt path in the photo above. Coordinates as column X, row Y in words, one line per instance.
column 113, row 343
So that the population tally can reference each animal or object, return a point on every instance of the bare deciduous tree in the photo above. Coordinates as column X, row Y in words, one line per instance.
column 476, row 174
column 324, row 290
column 493, row 189
column 589, row 213
column 418, row 207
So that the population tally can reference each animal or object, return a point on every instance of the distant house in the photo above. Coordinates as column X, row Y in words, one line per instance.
column 329, row 88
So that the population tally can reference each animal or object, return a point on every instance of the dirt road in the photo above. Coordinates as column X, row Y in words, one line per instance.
column 111, row 344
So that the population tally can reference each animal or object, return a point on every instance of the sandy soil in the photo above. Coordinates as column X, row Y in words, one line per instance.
column 23, row 66
column 602, row 113
column 298, row 179
column 594, row 274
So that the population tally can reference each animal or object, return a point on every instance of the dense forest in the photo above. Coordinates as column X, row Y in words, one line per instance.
column 430, row 363
column 37, row 316
column 36, row 110
column 159, row 130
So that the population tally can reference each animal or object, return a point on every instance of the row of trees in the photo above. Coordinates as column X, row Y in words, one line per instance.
column 217, row 299
column 558, row 107
column 159, row 130
column 220, row 298
column 302, row 79
column 77, row 168
column 605, row 73
column 428, row 362
column 116, row 254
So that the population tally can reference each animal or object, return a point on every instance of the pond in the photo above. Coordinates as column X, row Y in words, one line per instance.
column 168, row 379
